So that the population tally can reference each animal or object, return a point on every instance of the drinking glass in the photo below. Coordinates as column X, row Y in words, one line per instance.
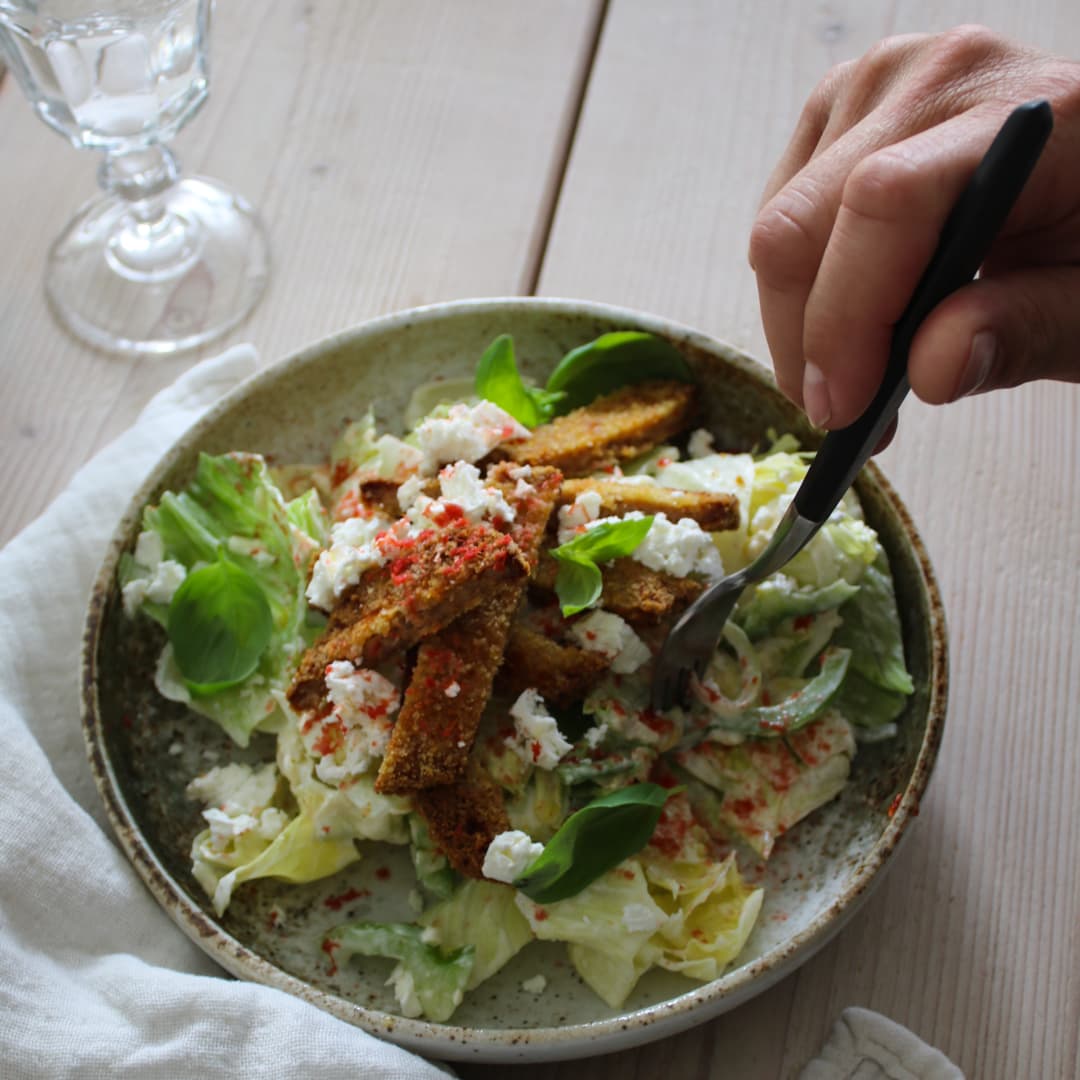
column 157, row 263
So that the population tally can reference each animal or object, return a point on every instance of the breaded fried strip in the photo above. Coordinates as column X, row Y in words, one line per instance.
column 450, row 686
column 562, row 674
column 610, row 429
column 434, row 732
column 640, row 595
column 713, row 512
column 463, row 818
column 425, row 584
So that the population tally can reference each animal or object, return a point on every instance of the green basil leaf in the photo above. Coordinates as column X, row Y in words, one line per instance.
column 613, row 361
column 593, row 841
column 578, row 583
column 794, row 714
column 219, row 624
column 609, row 540
column 498, row 381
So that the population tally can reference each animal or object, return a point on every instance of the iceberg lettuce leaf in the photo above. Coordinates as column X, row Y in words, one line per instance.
column 611, row 920
column 873, row 633
column 758, row 790
column 426, row 981
column 483, row 916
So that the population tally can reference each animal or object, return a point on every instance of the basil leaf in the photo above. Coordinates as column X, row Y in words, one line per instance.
column 498, row 381
column 609, row 540
column 219, row 624
column 592, row 841
column 794, row 714
column 612, row 361
column 578, row 583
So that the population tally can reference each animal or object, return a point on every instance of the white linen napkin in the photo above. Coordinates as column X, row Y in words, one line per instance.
column 865, row 1045
column 95, row 980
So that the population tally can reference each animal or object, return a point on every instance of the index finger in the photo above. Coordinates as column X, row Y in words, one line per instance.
column 894, row 205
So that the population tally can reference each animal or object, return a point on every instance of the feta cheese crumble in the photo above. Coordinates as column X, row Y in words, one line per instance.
column 678, row 547
column 463, row 496
column 160, row 579
column 509, row 854
column 536, row 737
column 575, row 517
column 352, row 551
column 700, row 444
column 238, row 799
column 347, row 742
column 536, row 985
column 466, row 433
column 611, row 635
column 359, row 543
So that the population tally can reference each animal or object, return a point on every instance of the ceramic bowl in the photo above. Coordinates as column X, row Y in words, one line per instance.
column 144, row 749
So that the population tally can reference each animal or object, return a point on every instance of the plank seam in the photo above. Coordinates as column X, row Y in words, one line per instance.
column 549, row 208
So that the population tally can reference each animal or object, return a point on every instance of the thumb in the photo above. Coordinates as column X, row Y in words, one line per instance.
column 999, row 331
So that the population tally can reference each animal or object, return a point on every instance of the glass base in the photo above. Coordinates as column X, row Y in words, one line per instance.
column 164, row 285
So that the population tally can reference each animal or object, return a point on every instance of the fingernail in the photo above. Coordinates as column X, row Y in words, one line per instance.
column 984, row 348
column 815, row 394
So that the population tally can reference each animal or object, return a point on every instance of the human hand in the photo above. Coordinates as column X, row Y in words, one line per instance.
column 853, row 211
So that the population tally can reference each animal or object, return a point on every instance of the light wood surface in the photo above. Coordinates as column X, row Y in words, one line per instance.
column 408, row 152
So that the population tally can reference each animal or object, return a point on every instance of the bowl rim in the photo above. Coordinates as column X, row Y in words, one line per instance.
column 503, row 1044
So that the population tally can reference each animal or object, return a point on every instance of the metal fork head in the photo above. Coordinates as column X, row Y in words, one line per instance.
column 692, row 641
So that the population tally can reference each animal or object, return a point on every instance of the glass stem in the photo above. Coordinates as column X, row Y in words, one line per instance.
column 151, row 240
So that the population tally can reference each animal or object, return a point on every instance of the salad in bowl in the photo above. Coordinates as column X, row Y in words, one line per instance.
column 396, row 678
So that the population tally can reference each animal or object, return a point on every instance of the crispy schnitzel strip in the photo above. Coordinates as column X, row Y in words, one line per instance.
column 463, row 818
column 642, row 596
column 562, row 674
column 712, row 512
column 425, row 584
column 452, row 679
column 611, row 429
column 450, row 685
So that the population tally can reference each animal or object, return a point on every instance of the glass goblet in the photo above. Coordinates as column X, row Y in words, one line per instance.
column 156, row 264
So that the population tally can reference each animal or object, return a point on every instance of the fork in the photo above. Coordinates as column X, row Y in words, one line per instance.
column 965, row 239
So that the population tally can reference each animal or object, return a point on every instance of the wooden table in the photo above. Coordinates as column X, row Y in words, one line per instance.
column 409, row 151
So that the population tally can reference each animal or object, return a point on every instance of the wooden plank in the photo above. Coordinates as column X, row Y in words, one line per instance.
column 400, row 152
column 973, row 939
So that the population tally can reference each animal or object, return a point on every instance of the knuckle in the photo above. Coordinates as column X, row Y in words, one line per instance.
column 785, row 247
column 961, row 47
column 885, row 186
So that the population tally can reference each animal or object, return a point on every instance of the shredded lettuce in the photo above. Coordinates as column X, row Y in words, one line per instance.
column 433, row 871
column 873, row 633
column 768, row 785
column 298, row 853
column 779, row 597
column 481, row 916
column 353, row 811
column 541, row 807
column 710, row 910
column 607, row 925
column 426, row 981
column 232, row 510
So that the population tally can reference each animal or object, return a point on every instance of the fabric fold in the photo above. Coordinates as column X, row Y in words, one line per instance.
column 95, row 979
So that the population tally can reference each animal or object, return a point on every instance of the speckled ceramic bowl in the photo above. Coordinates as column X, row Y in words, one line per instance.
column 144, row 750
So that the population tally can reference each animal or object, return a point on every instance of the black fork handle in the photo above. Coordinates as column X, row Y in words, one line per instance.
column 965, row 240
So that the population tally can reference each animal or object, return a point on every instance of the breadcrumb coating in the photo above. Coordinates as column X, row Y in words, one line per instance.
column 611, row 429
column 427, row 583
column 713, row 512
column 463, row 818
column 455, row 668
